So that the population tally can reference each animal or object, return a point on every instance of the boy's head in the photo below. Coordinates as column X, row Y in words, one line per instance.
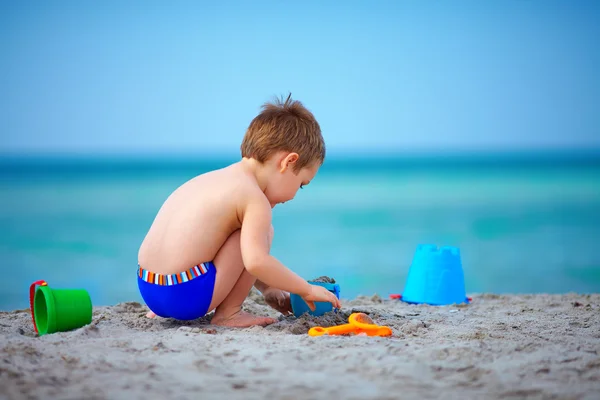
column 285, row 126
column 286, row 135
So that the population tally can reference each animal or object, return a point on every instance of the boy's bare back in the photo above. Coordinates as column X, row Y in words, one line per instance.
column 196, row 219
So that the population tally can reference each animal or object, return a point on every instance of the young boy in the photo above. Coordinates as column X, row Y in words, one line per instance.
column 210, row 241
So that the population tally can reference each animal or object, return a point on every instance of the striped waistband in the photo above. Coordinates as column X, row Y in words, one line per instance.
column 174, row 279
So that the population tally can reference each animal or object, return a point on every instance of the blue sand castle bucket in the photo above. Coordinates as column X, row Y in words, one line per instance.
column 435, row 277
column 300, row 307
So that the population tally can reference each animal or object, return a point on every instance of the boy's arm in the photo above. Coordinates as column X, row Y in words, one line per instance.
column 261, row 286
column 256, row 224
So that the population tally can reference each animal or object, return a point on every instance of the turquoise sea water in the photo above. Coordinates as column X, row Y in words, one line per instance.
column 524, row 223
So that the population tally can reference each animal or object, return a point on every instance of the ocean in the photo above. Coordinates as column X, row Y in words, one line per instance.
column 524, row 223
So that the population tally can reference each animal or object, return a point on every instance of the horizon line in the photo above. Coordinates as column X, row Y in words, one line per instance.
column 593, row 152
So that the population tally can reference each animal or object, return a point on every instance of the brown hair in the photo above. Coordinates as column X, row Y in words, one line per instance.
column 285, row 126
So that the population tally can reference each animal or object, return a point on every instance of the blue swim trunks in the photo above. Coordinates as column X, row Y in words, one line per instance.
column 182, row 296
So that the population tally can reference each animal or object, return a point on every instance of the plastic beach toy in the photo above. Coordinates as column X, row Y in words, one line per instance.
column 300, row 307
column 58, row 310
column 358, row 323
column 435, row 277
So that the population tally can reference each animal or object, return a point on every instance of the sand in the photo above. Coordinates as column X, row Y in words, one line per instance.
column 498, row 347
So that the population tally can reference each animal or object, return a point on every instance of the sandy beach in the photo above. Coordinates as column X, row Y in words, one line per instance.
column 498, row 347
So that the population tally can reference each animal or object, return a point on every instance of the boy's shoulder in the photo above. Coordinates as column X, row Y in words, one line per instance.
column 238, row 183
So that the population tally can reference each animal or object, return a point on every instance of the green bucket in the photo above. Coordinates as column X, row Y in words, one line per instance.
column 60, row 310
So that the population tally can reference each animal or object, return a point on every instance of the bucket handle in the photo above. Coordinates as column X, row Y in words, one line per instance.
column 31, row 296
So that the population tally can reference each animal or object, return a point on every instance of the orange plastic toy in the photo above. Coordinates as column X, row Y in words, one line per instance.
column 359, row 323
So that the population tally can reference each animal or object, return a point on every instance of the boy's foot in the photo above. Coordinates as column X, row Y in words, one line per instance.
column 241, row 320
column 150, row 314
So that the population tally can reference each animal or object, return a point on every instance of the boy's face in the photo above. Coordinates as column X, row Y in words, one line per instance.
column 286, row 183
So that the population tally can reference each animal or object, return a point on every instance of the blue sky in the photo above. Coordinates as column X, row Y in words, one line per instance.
column 154, row 77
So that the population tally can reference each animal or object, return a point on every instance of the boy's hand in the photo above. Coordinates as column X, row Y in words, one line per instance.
column 279, row 300
column 319, row 293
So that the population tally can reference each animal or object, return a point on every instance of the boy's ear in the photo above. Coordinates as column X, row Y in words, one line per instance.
column 288, row 161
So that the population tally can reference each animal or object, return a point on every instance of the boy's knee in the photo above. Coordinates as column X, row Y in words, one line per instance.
column 271, row 234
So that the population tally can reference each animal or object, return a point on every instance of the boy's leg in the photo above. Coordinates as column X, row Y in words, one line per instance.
column 232, row 285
